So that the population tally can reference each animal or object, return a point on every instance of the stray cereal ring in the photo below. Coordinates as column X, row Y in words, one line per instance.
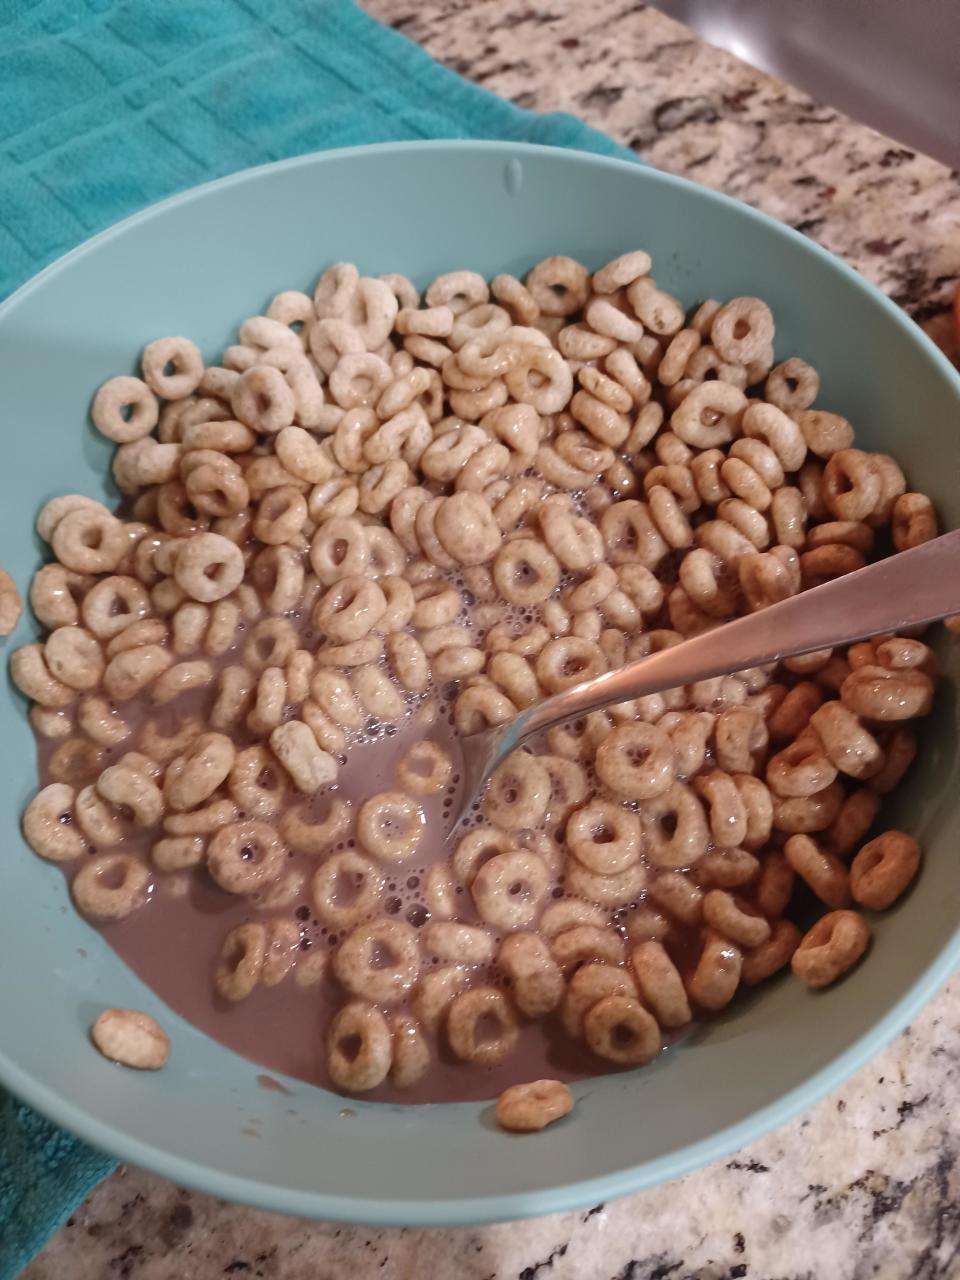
column 130, row 1038
column 528, row 1108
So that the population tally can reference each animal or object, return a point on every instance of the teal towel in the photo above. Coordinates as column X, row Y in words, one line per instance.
column 107, row 106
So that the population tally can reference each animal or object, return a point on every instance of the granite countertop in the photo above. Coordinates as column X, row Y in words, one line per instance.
column 868, row 1182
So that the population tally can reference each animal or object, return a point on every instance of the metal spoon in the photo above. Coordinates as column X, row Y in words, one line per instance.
column 905, row 590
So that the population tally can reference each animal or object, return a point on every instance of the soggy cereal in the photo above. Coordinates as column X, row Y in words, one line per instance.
column 384, row 521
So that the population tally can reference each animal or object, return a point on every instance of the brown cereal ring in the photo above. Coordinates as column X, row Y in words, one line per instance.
column 590, row 984
column 714, row 982
column 604, row 837
column 242, row 857
column 390, row 826
column 631, row 536
column 469, row 1028
column 48, row 824
column 792, row 385
column 425, row 769
column 528, row 1108
column 636, row 761
column 558, row 285
column 130, row 1038
column 742, row 329
column 111, row 887
column 536, row 982
column 660, row 984
column 256, row 783
column 568, row 661
column 457, row 943
column 191, row 779
column 525, row 572
column 734, row 919
column 823, row 872
column 801, row 769
column 850, row 746
column 124, row 409
column 728, row 868
column 346, row 889
column 509, row 887
column 877, row 693
column 518, row 792
column 586, row 943
column 208, row 567
column 410, row 1059
column 607, row 891
column 830, row 948
column 883, row 869
column 359, row 1047
column 619, row 1029
column 240, row 963
column 773, row 955
column 89, row 540
column 378, row 960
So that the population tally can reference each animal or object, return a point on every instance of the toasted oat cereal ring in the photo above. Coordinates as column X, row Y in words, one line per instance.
column 660, row 984
column 823, row 872
column 877, row 693
column 178, row 853
column 709, row 416
column 48, row 824
column 607, row 891
column 124, row 410
column 518, row 792
column 568, row 785
column 830, row 948
column 457, row 943
column 476, row 848
column 734, row 919
column 263, row 400
column 589, row 985
column 482, row 1026
column 621, row 271
column 130, row 1038
column 851, row 747
column 425, row 769
column 714, row 982
column 631, row 536
column 302, row 832
column 528, row 1108
column 11, row 606
column 805, row 814
column 172, row 367
column 883, row 869
column 584, row 944
column 773, row 955
column 240, row 964
column 359, row 1047
column 509, row 887
column 181, row 678
column 126, row 786
column 89, row 540
column 525, row 572
column 113, row 604
column 636, row 761
column 434, row 992
column 244, row 856
column 282, row 951
column 390, row 826
column 792, row 385
column 378, row 960
column 558, row 285
column 604, row 837
column 567, row 913
column 742, row 330
column 191, row 779
column 111, row 887
column 620, row 1030
column 346, row 889
column 466, row 528
column 74, row 657
column 801, row 769
column 410, row 1058
column 296, row 747
column 536, row 982
column 568, row 661
column 541, row 378
column 208, row 567
column 339, row 549
column 350, row 609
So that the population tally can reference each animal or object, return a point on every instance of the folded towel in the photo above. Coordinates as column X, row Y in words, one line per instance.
column 107, row 106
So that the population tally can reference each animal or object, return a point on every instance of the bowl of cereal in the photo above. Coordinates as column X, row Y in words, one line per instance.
column 400, row 478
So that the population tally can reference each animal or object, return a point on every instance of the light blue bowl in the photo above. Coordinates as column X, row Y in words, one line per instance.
column 200, row 263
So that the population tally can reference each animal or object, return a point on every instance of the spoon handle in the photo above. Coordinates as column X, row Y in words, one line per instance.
column 905, row 590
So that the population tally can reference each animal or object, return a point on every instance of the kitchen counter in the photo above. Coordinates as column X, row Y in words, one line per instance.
column 868, row 1182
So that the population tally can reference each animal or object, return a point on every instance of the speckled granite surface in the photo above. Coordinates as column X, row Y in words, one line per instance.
column 868, row 1183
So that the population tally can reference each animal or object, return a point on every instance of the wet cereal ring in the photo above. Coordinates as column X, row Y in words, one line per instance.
column 378, row 960
column 509, row 887
column 604, row 837
column 390, row 826
column 883, row 869
column 111, row 887
column 359, row 1047
column 242, row 857
column 482, row 1027
column 619, row 1029
column 830, row 948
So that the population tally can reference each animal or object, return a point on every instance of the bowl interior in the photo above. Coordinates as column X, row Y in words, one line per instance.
column 198, row 265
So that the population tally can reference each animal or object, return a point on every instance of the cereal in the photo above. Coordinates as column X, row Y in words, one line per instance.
column 380, row 521
column 528, row 1108
column 11, row 606
column 130, row 1038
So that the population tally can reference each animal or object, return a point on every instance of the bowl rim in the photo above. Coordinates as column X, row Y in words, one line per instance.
column 491, row 1208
